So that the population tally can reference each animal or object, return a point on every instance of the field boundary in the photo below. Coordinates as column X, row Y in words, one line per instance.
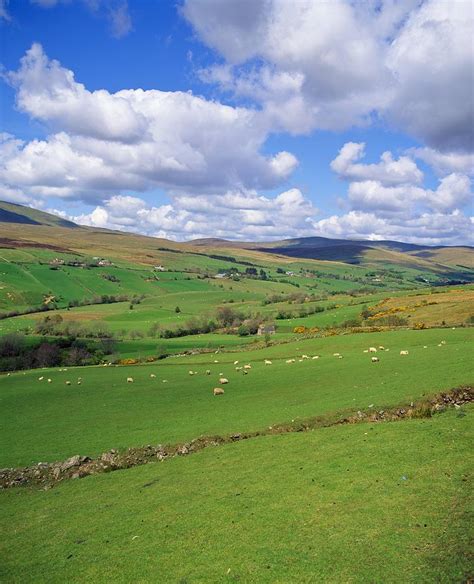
column 46, row 475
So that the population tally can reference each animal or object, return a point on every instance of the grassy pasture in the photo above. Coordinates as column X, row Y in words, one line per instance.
column 47, row 422
column 365, row 503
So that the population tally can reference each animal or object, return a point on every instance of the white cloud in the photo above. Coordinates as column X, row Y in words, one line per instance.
column 453, row 192
column 235, row 215
column 4, row 15
column 310, row 65
column 432, row 62
column 388, row 171
column 446, row 162
column 428, row 228
column 133, row 139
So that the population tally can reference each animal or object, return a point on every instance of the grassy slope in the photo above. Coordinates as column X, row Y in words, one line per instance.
column 47, row 421
column 366, row 503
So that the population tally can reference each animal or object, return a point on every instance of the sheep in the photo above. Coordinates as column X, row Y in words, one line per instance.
column 216, row 361
column 381, row 348
column 268, row 362
column 247, row 366
column 425, row 346
column 152, row 376
column 336, row 354
column 218, row 391
column 49, row 380
column 366, row 350
column 340, row 357
column 236, row 362
column 372, row 350
column 40, row 378
column 129, row 379
column 245, row 372
column 208, row 371
column 223, row 380
column 403, row 352
column 443, row 342
column 79, row 382
column 315, row 357
column 375, row 359
column 304, row 357
column 68, row 383
column 238, row 368
column 289, row 361
column 191, row 372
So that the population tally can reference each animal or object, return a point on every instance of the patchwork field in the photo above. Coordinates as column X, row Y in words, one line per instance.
column 124, row 355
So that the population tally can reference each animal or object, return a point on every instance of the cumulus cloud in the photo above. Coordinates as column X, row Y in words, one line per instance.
column 388, row 171
column 427, row 229
column 132, row 139
column 446, row 162
column 235, row 214
column 312, row 67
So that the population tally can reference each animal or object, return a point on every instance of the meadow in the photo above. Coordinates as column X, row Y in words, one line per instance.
column 342, row 504
column 369, row 502
column 46, row 421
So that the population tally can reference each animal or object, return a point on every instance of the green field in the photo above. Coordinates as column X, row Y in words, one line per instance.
column 361, row 503
column 46, row 421
column 346, row 504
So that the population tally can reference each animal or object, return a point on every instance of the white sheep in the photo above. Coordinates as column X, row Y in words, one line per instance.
column 304, row 357
column 236, row 362
column 49, row 380
column 372, row 350
column 336, row 354
column 223, row 380
column 247, row 366
column 129, row 379
column 268, row 362
column 208, row 371
column 218, row 391
column 152, row 376
column 40, row 378
column 403, row 352
column 315, row 357
column 191, row 372
column 375, row 359
column 68, row 383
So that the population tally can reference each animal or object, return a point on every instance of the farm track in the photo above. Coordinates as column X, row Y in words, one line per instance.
column 46, row 475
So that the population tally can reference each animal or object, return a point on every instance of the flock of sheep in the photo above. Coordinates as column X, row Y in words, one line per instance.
column 245, row 368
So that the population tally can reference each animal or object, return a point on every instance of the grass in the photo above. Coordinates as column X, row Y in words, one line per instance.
column 47, row 422
column 365, row 503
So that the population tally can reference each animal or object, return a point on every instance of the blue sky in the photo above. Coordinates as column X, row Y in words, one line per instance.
column 242, row 119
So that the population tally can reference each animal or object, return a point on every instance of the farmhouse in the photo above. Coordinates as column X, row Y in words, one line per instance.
column 266, row 329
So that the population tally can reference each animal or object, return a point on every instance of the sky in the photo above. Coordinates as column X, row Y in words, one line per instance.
column 242, row 119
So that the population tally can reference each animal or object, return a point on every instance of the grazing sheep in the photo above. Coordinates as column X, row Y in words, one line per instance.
column 375, row 359
column 152, row 375
column 49, row 380
column 247, row 366
column 366, row 350
column 336, row 354
column 218, row 391
column 68, row 383
column 425, row 346
column 165, row 381
column 304, row 357
column 340, row 357
column 315, row 357
column 238, row 368
column 300, row 360
column 208, row 371
column 245, row 372
column 381, row 348
column 236, row 362
column 372, row 350
column 223, row 380
column 79, row 382
column 443, row 342
column 40, row 378
column 268, row 362
column 289, row 360
column 191, row 372
column 216, row 361
column 129, row 379
column 403, row 352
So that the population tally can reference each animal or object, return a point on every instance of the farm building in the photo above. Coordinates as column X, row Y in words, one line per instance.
column 266, row 329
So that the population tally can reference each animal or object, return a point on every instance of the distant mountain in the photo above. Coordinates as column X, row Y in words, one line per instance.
column 12, row 213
